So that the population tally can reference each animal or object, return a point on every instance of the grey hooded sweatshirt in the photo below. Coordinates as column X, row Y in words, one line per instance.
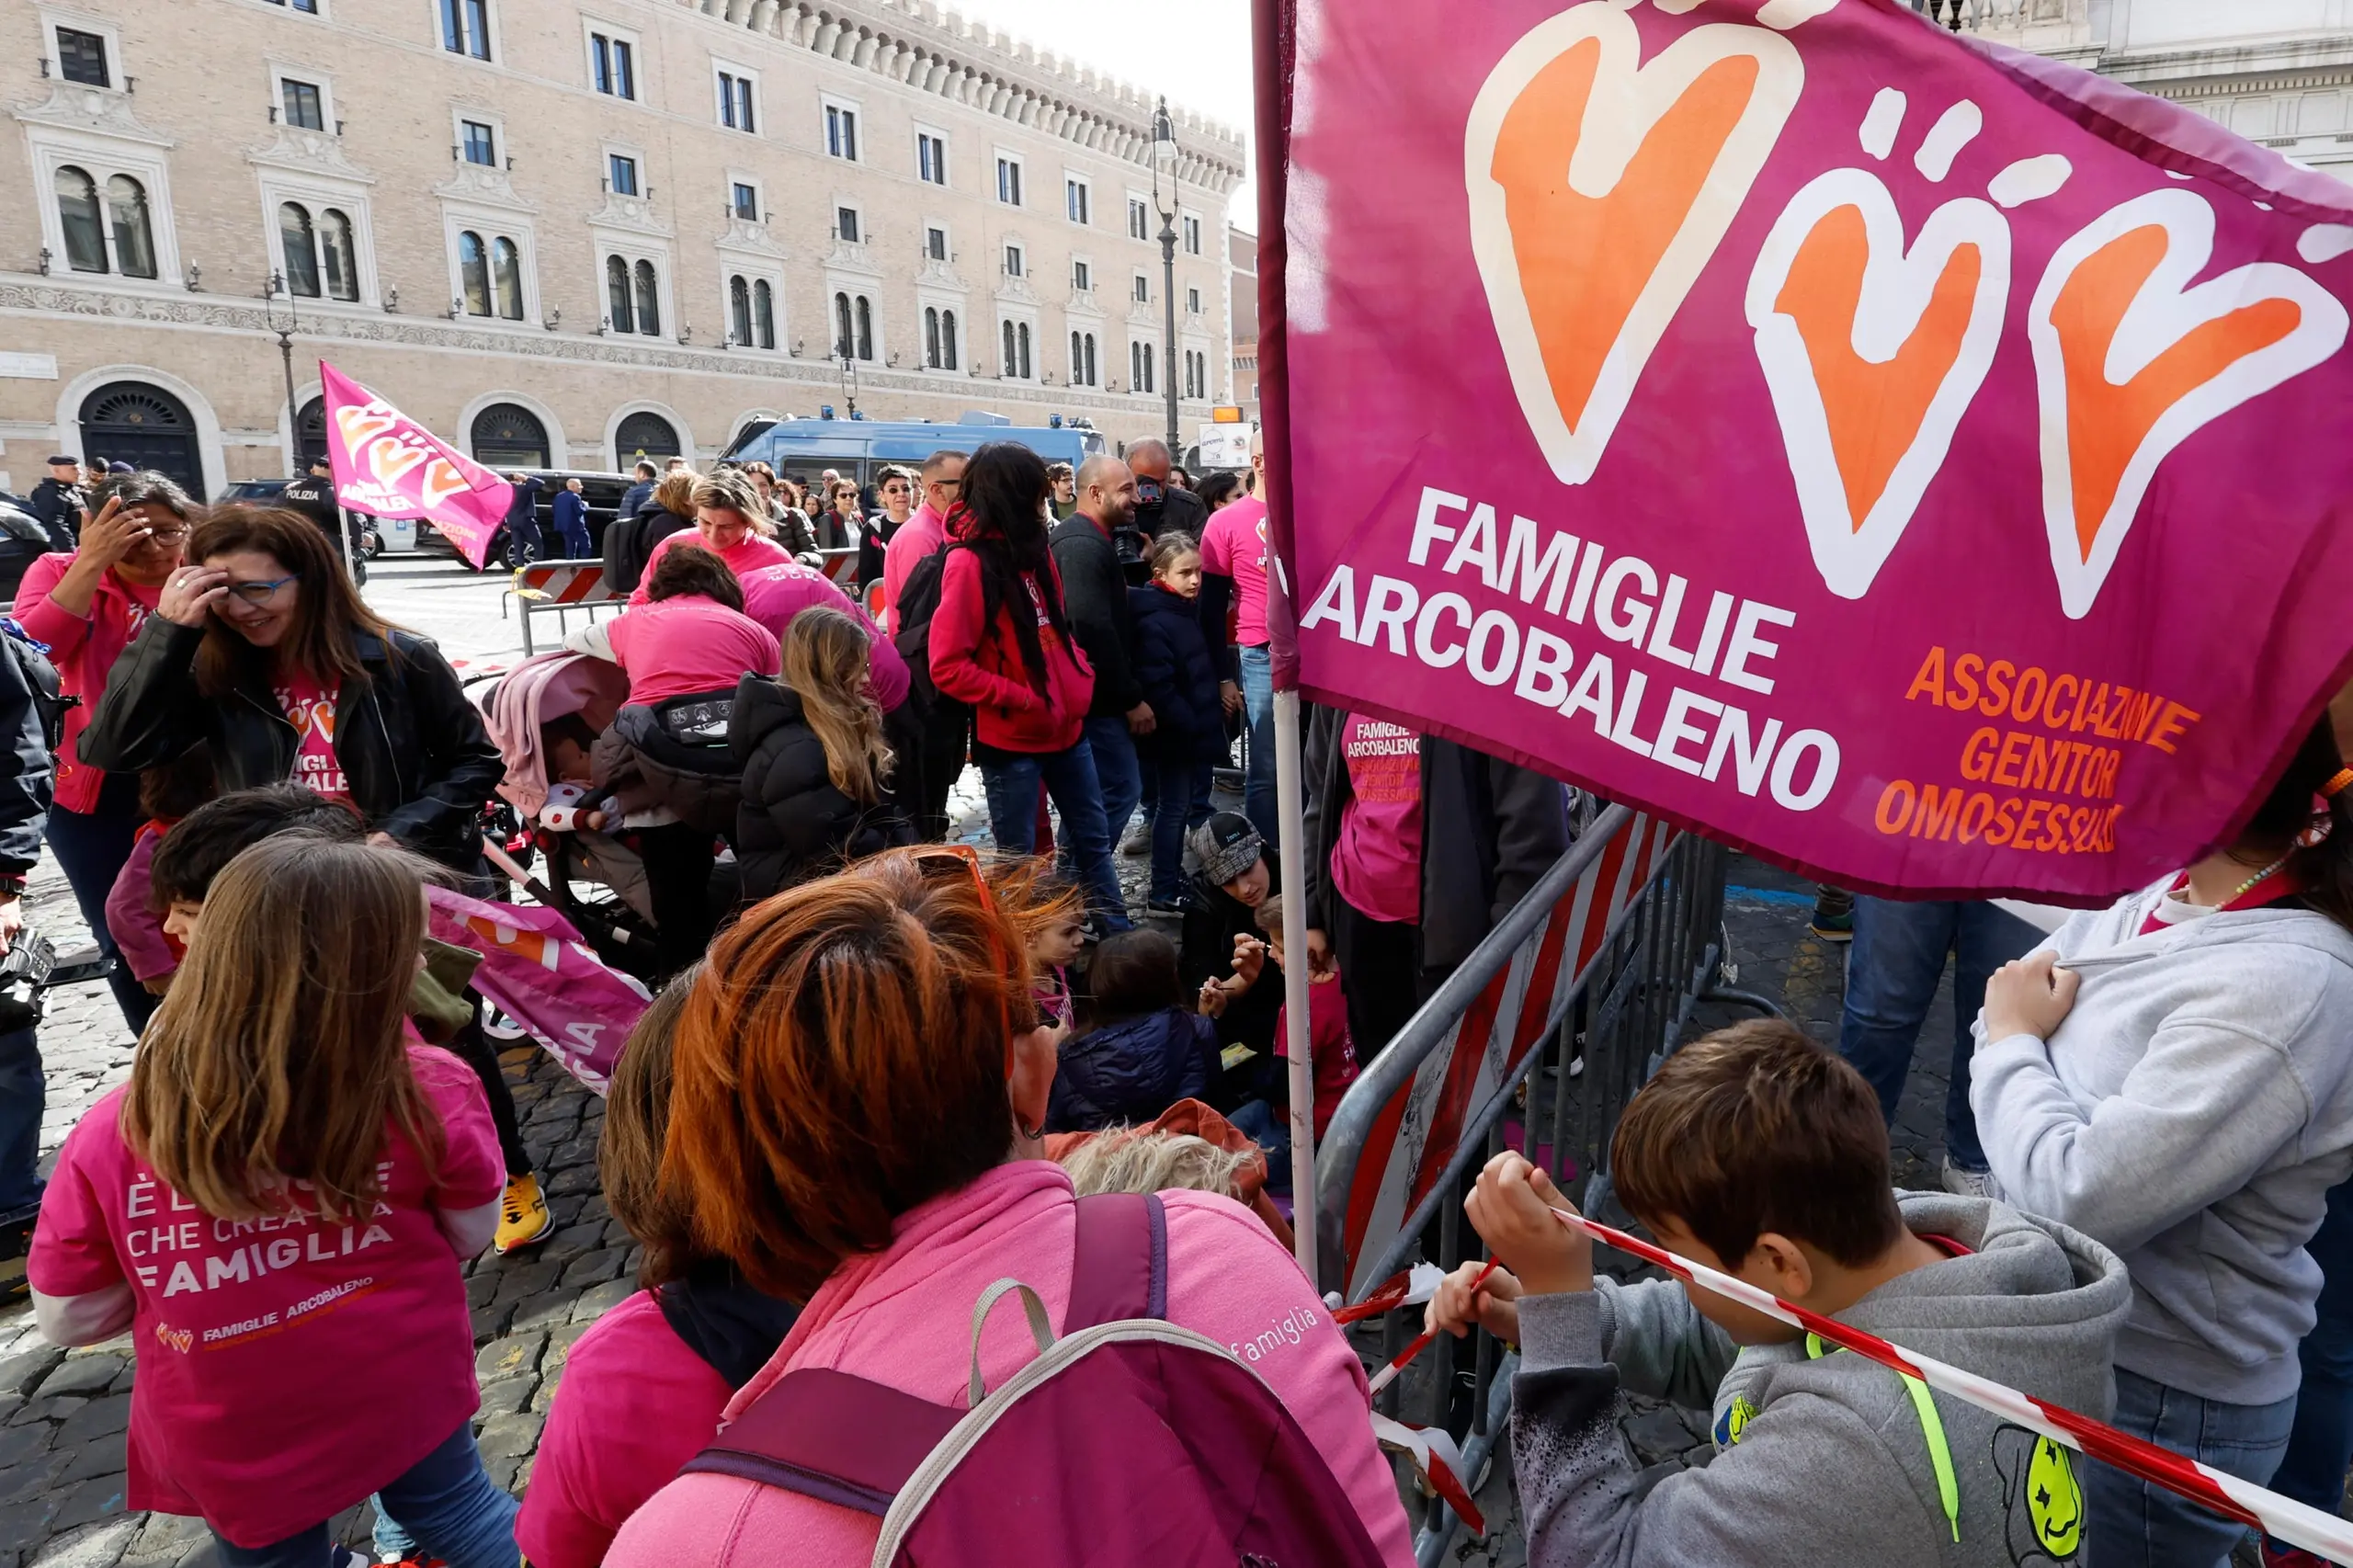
column 1826, row 1459
column 2192, row 1112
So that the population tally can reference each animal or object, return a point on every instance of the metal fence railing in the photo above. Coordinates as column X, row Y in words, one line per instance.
column 1536, row 1042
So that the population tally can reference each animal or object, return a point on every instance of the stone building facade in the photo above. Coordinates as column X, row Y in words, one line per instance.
column 2278, row 71
column 577, row 230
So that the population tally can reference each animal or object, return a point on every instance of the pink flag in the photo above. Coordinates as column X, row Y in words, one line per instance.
column 1919, row 461
column 537, row 970
column 388, row 465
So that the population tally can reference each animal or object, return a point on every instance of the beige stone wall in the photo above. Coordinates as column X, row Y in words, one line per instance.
column 196, row 127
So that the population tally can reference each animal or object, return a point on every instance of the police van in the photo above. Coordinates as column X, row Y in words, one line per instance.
column 802, row 450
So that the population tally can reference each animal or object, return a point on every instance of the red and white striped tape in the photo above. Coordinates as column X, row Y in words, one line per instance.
column 2281, row 1518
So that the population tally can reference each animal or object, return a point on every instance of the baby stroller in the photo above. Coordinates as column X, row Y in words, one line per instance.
column 594, row 878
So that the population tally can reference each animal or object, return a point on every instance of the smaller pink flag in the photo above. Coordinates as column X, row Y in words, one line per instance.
column 537, row 970
column 388, row 465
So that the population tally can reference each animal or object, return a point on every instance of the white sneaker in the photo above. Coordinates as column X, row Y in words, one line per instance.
column 1966, row 1183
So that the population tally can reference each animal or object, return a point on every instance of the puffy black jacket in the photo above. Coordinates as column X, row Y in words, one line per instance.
column 630, row 540
column 1132, row 1071
column 28, row 699
column 1095, row 595
column 794, row 824
column 673, row 756
column 1179, row 680
column 413, row 749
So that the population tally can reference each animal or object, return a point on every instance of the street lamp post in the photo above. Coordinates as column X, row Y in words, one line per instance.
column 1163, row 178
column 849, row 384
column 285, row 325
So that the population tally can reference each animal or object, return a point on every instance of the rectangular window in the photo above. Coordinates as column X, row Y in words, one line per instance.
column 465, row 28
column 735, row 102
column 614, row 63
column 1008, row 181
column 622, row 172
column 312, row 6
column 1192, row 236
column 1078, row 200
column 934, row 242
column 1082, row 277
column 1192, row 302
column 480, row 144
column 931, row 157
column 303, row 110
column 82, row 57
column 1139, row 219
column 841, row 132
column 845, row 224
column 1142, row 290
column 746, row 202
column 1013, row 261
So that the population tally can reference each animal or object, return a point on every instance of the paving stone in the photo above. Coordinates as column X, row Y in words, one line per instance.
column 579, row 1178
column 100, row 1546
column 1657, row 1434
column 23, row 1372
column 548, row 1308
column 491, row 1322
column 165, row 1540
column 28, row 1521
column 507, row 1437
column 560, row 1341
column 525, row 1279
column 49, row 1409
column 594, row 1269
column 569, row 1243
column 101, row 1418
column 104, row 1457
column 88, row 1501
column 18, row 1443
column 516, row 1355
column 33, row 1475
column 84, row 1374
column 481, row 1285
column 508, row 1396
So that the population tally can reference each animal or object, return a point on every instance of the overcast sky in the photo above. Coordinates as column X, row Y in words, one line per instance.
column 1196, row 52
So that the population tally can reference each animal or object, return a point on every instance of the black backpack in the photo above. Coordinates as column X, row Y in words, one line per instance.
column 917, row 602
column 40, row 679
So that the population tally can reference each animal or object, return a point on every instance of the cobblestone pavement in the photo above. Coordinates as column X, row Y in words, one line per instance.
column 62, row 1415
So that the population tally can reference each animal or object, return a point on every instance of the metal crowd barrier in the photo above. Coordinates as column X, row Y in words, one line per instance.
column 1537, row 1041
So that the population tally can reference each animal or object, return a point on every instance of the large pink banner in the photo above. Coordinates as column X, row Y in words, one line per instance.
column 388, row 465
column 1923, row 463
column 539, row 972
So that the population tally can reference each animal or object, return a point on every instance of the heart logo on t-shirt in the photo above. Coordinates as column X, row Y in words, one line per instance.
column 178, row 1339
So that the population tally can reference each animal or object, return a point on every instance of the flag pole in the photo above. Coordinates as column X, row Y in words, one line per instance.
column 1291, row 812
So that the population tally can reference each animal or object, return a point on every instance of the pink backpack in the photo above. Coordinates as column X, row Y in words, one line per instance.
column 1129, row 1440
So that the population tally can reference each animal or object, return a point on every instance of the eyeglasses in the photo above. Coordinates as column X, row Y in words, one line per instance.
column 260, row 593
column 166, row 536
column 946, row 483
column 894, row 490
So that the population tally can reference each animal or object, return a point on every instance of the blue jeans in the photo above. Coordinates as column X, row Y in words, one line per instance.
column 1069, row 777
column 1258, row 774
column 1117, row 773
column 1892, row 969
column 22, row 1094
column 2320, row 1446
column 91, row 848
column 1182, row 789
column 445, row 1502
column 2130, row 1524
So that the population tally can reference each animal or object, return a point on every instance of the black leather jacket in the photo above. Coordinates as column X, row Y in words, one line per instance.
column 419, row 763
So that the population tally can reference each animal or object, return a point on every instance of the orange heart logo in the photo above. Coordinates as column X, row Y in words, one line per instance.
column 1872, row 355
column 1600, row 186
column 177, row 1339
column 2131, row 360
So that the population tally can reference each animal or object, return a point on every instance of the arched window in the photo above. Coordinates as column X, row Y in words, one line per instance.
column 134, row 239
column 1021, row 337
column 339, row 257
column 865, row 327
column 77, row 212
column 1004, row 349
column 617, row 294
column 842, row 341
column 739, row 309
column 507, row 269
column 473, row 268
column 311, row 433
column 931, row 338
column 649, row 300
column 1135, row 367
column 509, row 436
column 144, row 425
column 1091, row 379
column 643, row 435
column 764, row 312
column 948, row 340
column 296, row 239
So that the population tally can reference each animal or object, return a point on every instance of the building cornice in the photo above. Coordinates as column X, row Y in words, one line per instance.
column 934, row 50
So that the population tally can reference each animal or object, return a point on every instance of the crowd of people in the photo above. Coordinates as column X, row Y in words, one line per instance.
column 884, row 1071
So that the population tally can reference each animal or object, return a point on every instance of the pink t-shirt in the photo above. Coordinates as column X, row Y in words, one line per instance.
column 919, row 536
column 1377, row 860
column 1234, row 545
column 287, row 1368
column 689, row 644
column 774, row 595
column 309, row 705
column 1331, row 1050
column 747, row 554
column 903, row 1317
column 635, row 1403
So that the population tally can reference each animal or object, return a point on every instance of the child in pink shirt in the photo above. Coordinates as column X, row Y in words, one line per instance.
column 1330, row 1050
column 299, row 1320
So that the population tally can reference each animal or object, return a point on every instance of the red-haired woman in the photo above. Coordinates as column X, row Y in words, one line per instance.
column 881, row 1157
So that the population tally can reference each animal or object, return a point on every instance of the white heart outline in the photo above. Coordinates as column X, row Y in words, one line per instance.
column 1630, row 97
column 1897, row 287
column 2161, row 315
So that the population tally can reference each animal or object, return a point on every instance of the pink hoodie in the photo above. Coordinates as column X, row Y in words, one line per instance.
column 902, row 1318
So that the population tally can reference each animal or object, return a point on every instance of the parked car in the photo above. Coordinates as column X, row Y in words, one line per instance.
column 377, row 535
column 603, row 492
